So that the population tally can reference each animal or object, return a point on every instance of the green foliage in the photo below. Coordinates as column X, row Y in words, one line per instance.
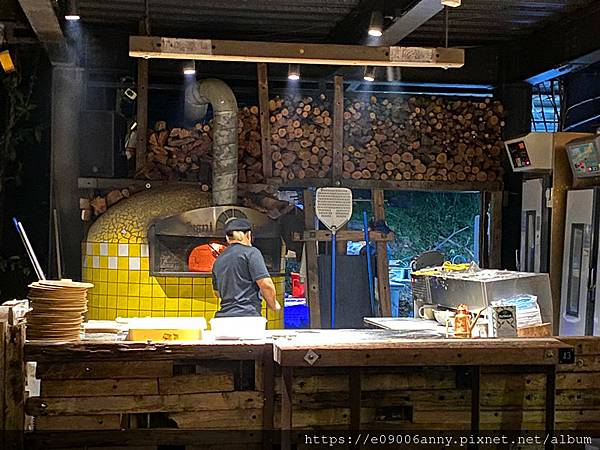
column 424, row 221
column 18, row 131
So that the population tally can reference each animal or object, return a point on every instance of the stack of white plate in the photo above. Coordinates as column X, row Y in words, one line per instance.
column 57, row 310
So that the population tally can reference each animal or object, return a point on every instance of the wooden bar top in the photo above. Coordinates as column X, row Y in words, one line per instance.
column 322, row 348
column 127, row 350
column 328, row 348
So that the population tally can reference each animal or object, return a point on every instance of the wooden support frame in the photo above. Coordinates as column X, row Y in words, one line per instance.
column 142, row 115
column 265, row 125
column 12, row 375
column 383, row 275
column 312, row 268
column 294, row 53
column 338, row 127
column 495, row 245
column 342, row 235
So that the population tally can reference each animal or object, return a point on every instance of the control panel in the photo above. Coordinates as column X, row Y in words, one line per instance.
column 531, row 153
column 517, row 151
column 584, row 156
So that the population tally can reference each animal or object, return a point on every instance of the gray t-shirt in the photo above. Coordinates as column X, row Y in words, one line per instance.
column 234, row 275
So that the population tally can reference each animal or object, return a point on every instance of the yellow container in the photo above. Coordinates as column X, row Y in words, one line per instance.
column 166, row 329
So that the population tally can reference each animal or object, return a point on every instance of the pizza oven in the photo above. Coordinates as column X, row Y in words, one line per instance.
column 187, row 244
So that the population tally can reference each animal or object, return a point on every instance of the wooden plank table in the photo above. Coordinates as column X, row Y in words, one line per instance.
column 364, row 348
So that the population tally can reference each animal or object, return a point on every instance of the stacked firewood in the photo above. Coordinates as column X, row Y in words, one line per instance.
column 422, row 138
column 186, row 154
column 250, row 166
column 301, row 137
column 178, row 154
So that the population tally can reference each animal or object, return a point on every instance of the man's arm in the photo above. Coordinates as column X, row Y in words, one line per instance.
column 267, row 289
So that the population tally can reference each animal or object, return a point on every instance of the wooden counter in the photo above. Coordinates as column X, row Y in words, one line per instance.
column 342, row 379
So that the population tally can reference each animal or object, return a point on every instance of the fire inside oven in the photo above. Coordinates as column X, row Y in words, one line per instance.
column 188, row 244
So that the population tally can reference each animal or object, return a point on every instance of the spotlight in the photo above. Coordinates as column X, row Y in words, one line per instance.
column 294, row 72
column 369, row 74
column 376, row 24
column 189, row 68
column 72, row 11
column 452, row 3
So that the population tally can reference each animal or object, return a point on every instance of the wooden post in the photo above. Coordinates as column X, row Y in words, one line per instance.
column 14, row 383
column 312, row 269
column 495, row 246
column 338, row 127
column 383, row 275
column 142, row 114
column 267, row 365
column 355, row 398
column 484, row 261
column 286, row 407
column 265, row 126
column 2, row 378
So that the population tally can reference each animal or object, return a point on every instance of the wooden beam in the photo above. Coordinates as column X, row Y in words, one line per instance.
column 265, row 125
column 419, row 13
column 42, row 19
column 338, row 127
column 405, row 185
column 14, row 381
column 142, row 115
column 298, row 53
column 383, row 275
column 342, row 235
column 312, row 268
column 495, row 246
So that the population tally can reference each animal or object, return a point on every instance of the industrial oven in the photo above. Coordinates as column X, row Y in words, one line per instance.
column 541, row 159
column 580, row 296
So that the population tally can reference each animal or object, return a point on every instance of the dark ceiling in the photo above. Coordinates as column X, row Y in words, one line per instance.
column 501, row 35
column 475, row 23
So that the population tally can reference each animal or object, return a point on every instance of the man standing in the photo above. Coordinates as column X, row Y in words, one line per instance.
column 240, row 275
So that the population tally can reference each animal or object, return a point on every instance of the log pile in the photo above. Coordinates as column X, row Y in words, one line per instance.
column 422, row 138
column 178, row 153
column 250, row 169
column 301, row 137
column 182, row 154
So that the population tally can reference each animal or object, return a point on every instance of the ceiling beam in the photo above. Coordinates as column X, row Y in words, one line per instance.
column 42, row 19
column 44, row 23
column 560, row 48
column 284, row 52
column 409, row 21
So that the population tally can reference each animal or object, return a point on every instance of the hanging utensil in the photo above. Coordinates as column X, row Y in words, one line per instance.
column 57, row 244
column 374, row 308
column 333, row 207
column 34, row 261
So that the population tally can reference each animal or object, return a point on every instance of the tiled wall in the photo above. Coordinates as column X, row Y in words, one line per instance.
column 123, row 287
column 115, row 260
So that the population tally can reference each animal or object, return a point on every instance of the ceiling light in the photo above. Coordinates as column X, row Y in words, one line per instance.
column 294, row 72
column 376, row 24
column 452, row 3
column 6, row 62
column 72, row 11
column 369, row 74
column 189, row 68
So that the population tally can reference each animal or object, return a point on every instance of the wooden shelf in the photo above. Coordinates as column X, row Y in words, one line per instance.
column 412, row 185
column 342, row 235
column 276, row 183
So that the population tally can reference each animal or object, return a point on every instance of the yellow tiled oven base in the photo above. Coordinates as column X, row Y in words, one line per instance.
column 123, row 287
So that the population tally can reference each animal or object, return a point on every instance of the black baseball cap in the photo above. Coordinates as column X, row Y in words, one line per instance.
column 237, row 225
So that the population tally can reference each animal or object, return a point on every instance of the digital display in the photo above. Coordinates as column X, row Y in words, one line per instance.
column 518, row 154
column 585, row 158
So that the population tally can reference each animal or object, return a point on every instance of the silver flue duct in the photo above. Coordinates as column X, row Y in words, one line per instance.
column 225, row 134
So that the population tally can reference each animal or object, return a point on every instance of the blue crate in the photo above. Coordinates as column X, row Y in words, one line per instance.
column 295, row 313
